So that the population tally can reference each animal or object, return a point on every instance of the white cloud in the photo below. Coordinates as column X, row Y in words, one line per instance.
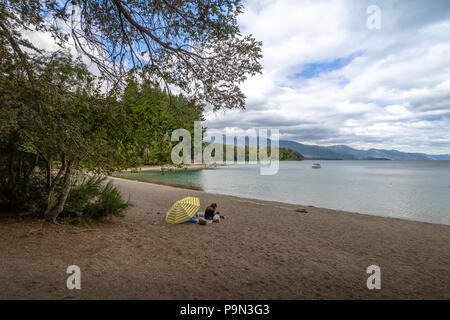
column 394, row 92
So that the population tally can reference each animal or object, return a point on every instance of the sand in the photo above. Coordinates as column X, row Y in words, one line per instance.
column 264, row 250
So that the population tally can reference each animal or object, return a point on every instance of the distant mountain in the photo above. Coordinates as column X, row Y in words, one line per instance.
column 347, row 153
column 379, row 153
column 312, row 152
column 440, row 156
column 343, row 152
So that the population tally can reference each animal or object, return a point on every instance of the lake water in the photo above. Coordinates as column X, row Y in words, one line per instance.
column 414, row 190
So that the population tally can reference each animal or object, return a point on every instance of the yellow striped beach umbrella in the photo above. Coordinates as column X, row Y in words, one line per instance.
column 183, row 210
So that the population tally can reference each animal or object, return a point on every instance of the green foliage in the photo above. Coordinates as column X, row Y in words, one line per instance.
column 287, row 154
column 152, row 115
column 22, row 193
column 94, row 199
column 66, row 122
column 57, row 119
column 195, row 45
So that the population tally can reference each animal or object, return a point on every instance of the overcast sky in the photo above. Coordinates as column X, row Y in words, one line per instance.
column 329, row 79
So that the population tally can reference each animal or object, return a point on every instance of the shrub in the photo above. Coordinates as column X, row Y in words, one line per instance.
column 93, row 199
column 15, row 197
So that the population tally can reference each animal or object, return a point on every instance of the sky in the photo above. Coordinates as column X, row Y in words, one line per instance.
column 330, row 79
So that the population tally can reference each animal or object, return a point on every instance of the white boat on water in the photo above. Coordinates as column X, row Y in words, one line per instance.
column 316, row 166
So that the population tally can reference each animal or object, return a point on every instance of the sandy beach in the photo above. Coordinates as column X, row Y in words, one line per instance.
column 264, row 250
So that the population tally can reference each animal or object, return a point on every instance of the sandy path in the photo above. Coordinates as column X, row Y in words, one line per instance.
column 265, row 250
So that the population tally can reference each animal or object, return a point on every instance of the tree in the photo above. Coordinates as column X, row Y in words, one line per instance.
column 70, row 126
column 56, row 118
column 78, row 127
column 195, row 45
column 158, row 114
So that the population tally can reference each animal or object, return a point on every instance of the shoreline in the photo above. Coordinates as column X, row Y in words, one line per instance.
column 277, row 202
column 264, row 250
column 190, row 167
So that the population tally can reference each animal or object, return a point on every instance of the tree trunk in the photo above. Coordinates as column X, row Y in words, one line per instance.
column 59, row 206
column 49, row 175
column 52, row 184
column 11, row 171
column 27, row 175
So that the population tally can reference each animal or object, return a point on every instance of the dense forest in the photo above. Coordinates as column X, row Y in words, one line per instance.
column 290, row 155
column 65, row 126
column 104, row 100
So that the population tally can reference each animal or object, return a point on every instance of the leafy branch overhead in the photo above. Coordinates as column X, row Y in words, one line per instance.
column 58, row 120
column 194, row 45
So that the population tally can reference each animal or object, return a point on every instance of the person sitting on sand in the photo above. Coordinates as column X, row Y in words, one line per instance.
column 211, row 214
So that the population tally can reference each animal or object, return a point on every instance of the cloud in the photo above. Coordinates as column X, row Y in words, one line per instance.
column 328, row 79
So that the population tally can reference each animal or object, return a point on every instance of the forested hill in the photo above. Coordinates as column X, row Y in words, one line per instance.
column 285, row 154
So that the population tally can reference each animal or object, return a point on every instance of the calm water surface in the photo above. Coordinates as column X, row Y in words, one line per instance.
column 414, row 190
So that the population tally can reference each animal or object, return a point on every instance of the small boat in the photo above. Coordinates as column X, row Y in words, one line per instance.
column 316, row 166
